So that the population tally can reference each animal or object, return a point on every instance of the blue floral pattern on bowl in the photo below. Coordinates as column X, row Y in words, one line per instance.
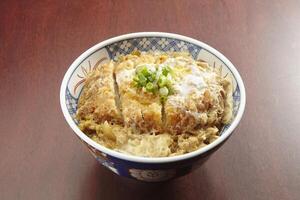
column 151, row 44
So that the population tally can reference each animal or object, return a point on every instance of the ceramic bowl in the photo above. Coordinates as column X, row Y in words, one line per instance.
column 141, row 168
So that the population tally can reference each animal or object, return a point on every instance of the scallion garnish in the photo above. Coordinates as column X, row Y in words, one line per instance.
column 158, row 81
column 163, row 91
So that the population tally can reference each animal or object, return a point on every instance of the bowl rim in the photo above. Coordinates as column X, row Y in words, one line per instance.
column 154, row 160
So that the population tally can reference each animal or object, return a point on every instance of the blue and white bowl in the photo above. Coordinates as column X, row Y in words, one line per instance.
column 141, row 168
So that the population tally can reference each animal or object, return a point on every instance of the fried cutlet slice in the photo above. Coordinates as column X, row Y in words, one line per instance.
column 140, row 109
column 98, row 99
column 197, row 101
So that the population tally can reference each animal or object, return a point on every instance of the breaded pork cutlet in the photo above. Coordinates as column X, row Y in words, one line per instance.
column 97, row 102
column 140, row 109
column 199, row 97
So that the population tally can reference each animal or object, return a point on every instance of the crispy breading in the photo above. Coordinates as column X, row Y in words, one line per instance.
column 97, row 101
column 198, row 101
column 140, row 109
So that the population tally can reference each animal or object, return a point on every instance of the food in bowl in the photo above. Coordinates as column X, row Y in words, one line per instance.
column 155, row 104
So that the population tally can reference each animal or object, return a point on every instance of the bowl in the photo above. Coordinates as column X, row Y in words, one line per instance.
column 144, row 168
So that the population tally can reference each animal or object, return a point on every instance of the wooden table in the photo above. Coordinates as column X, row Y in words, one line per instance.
column 40, row 158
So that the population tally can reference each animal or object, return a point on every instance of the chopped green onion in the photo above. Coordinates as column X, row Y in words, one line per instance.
column 164, row 91
column 150, row 78
column 166, row 70
column 142, row 80
column 162, row 81
column 153, row 75
column 136, row 78
column 142, row 83
column 145, row 71
column 149, row 87
column 157, row 82
column 155, row 87
column 142, row 77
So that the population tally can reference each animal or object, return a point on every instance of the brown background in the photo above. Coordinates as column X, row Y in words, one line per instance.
column 40, row 158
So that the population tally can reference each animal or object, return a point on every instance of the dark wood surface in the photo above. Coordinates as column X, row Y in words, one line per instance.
column 40, row 158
